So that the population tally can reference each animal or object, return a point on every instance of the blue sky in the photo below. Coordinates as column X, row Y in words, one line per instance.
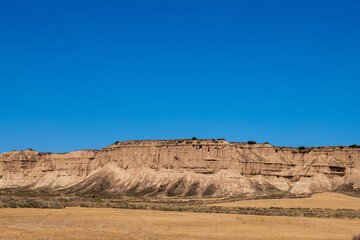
column 84, row 74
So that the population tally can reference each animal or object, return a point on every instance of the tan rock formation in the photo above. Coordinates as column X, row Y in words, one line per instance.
column 184, row 168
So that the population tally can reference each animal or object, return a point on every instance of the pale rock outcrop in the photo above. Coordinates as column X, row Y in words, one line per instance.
column 184, row 168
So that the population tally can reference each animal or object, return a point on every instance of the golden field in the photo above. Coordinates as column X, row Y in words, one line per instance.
column 108, row 223
column 320, row 200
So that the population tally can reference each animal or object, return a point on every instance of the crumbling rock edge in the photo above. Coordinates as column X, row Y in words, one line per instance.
column 189, row 168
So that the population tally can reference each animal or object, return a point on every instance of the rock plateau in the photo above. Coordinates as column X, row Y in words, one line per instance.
column 197, row 168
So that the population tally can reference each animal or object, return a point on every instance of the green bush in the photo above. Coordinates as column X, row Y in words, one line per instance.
column 194, row 138
column 301, row 148
column 251, row 142
column 85, row 205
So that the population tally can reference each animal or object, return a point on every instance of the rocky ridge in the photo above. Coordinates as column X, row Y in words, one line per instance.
column 197, row 168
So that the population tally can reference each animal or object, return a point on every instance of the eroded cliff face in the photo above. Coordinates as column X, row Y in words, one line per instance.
column 184, row 168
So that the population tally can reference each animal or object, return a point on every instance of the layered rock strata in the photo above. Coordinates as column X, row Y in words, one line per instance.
column 184, row 168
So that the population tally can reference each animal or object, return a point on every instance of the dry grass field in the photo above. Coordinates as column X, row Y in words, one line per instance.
column 107, row 223
column 321, row 200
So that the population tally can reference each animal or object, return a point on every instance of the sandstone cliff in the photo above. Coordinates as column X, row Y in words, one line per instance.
column 184, row 168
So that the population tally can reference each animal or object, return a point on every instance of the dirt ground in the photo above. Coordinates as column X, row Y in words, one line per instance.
column 321, row 200
column 107, row 223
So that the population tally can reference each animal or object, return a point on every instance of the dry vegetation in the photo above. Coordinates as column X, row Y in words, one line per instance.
column 341, row 205
column 94, row 223
column 322, row 216
column 321, row 200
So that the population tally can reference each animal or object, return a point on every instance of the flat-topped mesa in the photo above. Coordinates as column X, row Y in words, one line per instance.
column 174, row 142
column 184, row 167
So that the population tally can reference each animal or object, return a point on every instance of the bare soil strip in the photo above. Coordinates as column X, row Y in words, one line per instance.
column 107, row 223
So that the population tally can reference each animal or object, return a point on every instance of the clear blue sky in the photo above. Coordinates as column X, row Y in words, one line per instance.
column 84, row 74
